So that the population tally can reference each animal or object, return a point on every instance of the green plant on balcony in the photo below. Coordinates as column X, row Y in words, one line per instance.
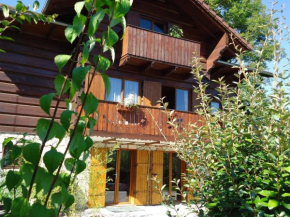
column 129, row 103
column 176, row 32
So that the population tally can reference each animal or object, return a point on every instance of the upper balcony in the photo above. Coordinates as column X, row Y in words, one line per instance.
column 159, row 54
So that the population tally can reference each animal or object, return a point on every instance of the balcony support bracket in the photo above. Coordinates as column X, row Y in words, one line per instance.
column 144, row 68
column 169, row 71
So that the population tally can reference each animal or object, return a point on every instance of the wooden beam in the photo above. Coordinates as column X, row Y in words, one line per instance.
column 169, row 71
column 124, row 60
column 144, row 68
column 109, row 140
column 187, row 76
column 152, row 143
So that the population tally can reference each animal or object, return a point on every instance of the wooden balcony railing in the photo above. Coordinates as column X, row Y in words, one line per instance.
column 154, row 46
column 113, row 120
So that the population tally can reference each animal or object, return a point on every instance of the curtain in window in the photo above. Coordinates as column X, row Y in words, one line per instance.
column 131, row 88
column 116, row 89
column 181, row 100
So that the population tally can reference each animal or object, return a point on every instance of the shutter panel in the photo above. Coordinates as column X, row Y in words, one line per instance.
column 98, row 173
column 133, row 18
column 151, row 93
column 195, row 101
column 97, row 87
column 141, row 187
column 157, row 170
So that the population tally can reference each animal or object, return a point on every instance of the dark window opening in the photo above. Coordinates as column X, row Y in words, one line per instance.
column 169, row 94
column 153, row 25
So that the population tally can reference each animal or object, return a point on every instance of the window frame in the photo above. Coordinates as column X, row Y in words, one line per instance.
column 10, row 165
column 123, row 89
column 189, row 106
column 154, row 20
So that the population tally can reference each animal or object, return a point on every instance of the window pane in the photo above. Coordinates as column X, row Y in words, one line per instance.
column 116, row 89
column 146, row 24
column 158, row 27
column 215, row 106
column 131, row 91
column 181, row 100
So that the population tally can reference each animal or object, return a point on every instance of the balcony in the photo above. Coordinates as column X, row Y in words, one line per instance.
column 145, row 51
column 115, row 121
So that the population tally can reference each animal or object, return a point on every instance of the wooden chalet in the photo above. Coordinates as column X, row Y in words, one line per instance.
column 150, row 65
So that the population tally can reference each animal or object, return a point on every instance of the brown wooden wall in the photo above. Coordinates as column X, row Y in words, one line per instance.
column 27, row 72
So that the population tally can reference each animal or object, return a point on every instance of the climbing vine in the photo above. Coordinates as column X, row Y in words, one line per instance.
column 49, row 178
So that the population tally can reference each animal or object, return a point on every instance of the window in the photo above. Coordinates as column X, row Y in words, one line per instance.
column 156, row 26
column 7, row 160
column 215, row 106
column 181, row 100
column 129, row 89
column 116, row 90
column 176, row 98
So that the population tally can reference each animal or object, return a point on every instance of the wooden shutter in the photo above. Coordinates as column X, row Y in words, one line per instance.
column 97, row 87
column 98, row 174
column 151, row 93
column 141, row 187
column 195, row 101
column 156, row 170
column 133, row 18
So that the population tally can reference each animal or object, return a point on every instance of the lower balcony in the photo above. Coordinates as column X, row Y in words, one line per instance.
column 144, row 122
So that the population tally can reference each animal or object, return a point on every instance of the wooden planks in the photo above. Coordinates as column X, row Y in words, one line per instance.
column 151, row 93
column 156, row 171
column 155, row 46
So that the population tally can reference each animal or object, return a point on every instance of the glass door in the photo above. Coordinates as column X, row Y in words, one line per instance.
column 118, row 177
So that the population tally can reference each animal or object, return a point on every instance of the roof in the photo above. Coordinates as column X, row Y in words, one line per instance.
column 203, row 6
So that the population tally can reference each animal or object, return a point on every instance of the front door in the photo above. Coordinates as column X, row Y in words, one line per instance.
column 118, row 177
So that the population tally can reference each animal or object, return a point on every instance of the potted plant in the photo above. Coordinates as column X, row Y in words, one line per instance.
column 129, row 103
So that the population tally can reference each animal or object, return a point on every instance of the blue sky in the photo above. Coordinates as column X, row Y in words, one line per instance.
column 268, row 3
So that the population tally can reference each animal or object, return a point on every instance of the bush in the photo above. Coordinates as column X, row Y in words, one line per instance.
column 238, row 160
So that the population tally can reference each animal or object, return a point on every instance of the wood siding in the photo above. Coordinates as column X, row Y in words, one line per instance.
column 123, row 123
column 154, row 46
column 151, row 93
column 27, row 72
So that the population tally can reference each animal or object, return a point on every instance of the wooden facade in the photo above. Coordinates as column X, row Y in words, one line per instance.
column 158, row 63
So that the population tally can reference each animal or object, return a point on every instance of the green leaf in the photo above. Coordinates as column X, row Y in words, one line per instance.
column 26, row 171
column 24, row 191
column 20, row 207
column 79, row 23
column 79, row 75
column 35, row 5
column 80, row 166
column 72, row 92
column 107, row 83
column 5, row 11
column 95, row 21
column 57, row 130
column 3, row 51
column 112, row 51
column 69, row 201
column 268, row 193
column 103, row 63
column 122, row 8
column 31, row 153
column 16, row 152
column 6, row 38
column 272, row 204
column 78, row 145
column 7, row 204
column 65, row 118
column 124, row 25
column 27, row 18
column 91, row 124
column 85, row 55
column 91, row 104
column 287, row 169
column 89, row 143
column 112, row 37
column 286, row 195
column 69, row 163
column 59, row 82
column 13, row 178
column 211, row 205
column 19, row 6
column 38, row 209
column 52, row 159
column 61, row 60
column 79, row 7
column 287, row 206
column 56, row 199
column 43, row 180
column 70, row 34
column 45, row 102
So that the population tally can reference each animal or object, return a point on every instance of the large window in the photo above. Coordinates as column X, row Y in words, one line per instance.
column 123, row 89
column 156, row 26
column 176, row 98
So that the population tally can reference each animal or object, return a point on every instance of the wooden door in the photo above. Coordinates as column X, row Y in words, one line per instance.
column 141, row 185
column 157, row 171
column 97, row 182
column 151, row 93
